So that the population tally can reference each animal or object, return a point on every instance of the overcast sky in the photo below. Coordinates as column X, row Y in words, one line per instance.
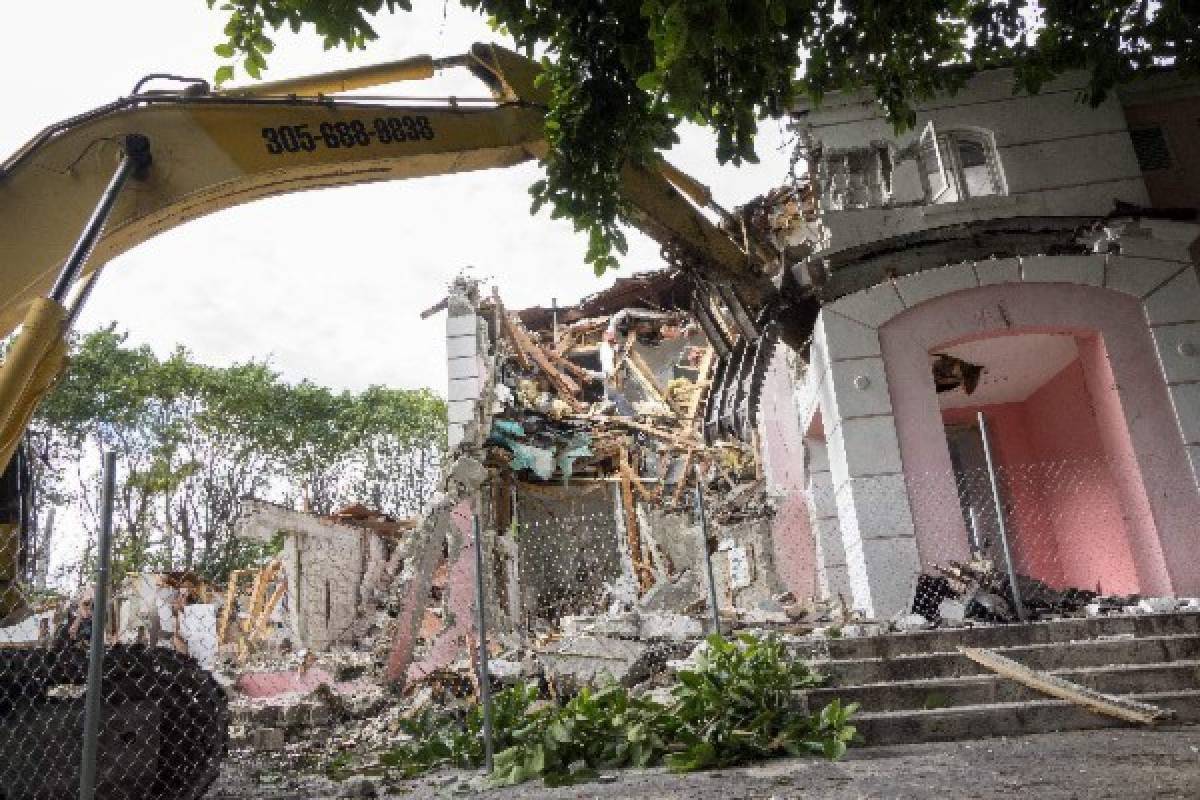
column 327, row 284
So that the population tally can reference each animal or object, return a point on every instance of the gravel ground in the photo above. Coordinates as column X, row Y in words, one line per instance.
column 1093, row 765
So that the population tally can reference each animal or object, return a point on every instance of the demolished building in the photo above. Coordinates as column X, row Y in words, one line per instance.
column 1010, row 287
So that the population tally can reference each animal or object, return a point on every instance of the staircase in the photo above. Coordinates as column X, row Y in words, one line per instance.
column 917, row 687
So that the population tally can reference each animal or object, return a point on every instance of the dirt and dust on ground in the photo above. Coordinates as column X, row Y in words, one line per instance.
column 1089, row 765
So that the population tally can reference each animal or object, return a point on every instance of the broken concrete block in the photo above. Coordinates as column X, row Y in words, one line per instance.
column 910, row 622
column 504, row 671
column 1158, row 605
column 953, row 612
column 861, row 629
column 622, row 625
column 679, row 593
column 759, row 616
column 588, row 660
column 267, row 739
column 594, row 660
column 468, row 472
column 676, row 627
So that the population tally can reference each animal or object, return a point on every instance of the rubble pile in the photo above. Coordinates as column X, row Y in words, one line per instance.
column 980, row 592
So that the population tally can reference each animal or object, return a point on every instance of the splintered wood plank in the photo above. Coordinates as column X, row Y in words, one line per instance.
column 1109, row 705
column 567, row 388
column 702, row 380
column 632, row 531
column 509, row 331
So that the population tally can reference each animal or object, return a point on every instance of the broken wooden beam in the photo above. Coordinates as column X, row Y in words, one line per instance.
column 1109, row 705
column 632, row 532
column 566, row 388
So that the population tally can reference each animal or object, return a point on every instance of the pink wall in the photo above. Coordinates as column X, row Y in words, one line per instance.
column 791, row 534
column 453, row 642
column 1066, row 523
column 1083, row 508
column 1135, row 401
column 1129, row 474
column 1035, row 550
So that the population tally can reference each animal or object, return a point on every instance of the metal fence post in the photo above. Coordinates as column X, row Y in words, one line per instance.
column 712, row 582
column 1013, row 586
column 485, row 685
column 92, row 707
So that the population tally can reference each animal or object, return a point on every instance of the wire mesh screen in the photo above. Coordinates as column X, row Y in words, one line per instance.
column 163, row 717
column 1019, row 541
column 347, row 650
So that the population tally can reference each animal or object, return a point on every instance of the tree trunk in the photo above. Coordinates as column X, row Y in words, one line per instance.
column 189, row 546
column 43, row 550
column 168, row 532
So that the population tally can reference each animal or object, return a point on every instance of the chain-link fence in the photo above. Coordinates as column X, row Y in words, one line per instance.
column 356, row 636
column 100, row 696
column 997, row 541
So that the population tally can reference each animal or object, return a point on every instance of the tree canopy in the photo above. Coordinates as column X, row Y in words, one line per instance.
column 623, row 74
column 193, row 440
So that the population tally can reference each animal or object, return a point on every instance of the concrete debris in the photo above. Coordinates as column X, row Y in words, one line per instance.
column 647, row 625
column 579, row 443
column 593, row 660
column 980, row 592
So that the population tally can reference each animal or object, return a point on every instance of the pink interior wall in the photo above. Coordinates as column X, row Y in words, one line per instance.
column 1034, row 547
column 1066, row 522
column 791, row 533
column 1083, row 507
column 451, row 643
column 1134, row 404
column 1130, row 475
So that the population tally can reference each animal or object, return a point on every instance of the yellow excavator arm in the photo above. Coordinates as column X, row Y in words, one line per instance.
column 149, row 162
column 214, row 150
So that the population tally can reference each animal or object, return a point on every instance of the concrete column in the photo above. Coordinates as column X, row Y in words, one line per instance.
column 867, row 481
column 833, row 579
column 465, row 351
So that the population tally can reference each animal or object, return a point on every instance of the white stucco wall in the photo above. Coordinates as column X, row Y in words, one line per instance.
column 847, row 385
column 1058, row 157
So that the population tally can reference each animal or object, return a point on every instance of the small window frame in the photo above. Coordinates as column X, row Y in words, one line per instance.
column 949, row 166
column 930, row 142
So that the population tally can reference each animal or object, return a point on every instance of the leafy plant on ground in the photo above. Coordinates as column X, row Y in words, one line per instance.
column 448, row 739
column 742, row 702
column 604, row 729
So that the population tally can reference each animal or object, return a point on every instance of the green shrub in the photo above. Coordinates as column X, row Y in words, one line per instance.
column 742, row 702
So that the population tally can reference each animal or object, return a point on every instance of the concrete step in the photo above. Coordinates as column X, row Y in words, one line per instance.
column 1051, row 656
column 1008, row 719
column 1121, row 679
column 947, row 640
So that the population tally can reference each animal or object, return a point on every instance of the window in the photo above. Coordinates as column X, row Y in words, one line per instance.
column 1150, row 146
column 959, row 165
column 855, row 178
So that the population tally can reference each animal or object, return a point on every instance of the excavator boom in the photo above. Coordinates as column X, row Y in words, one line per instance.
column 215, row 150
